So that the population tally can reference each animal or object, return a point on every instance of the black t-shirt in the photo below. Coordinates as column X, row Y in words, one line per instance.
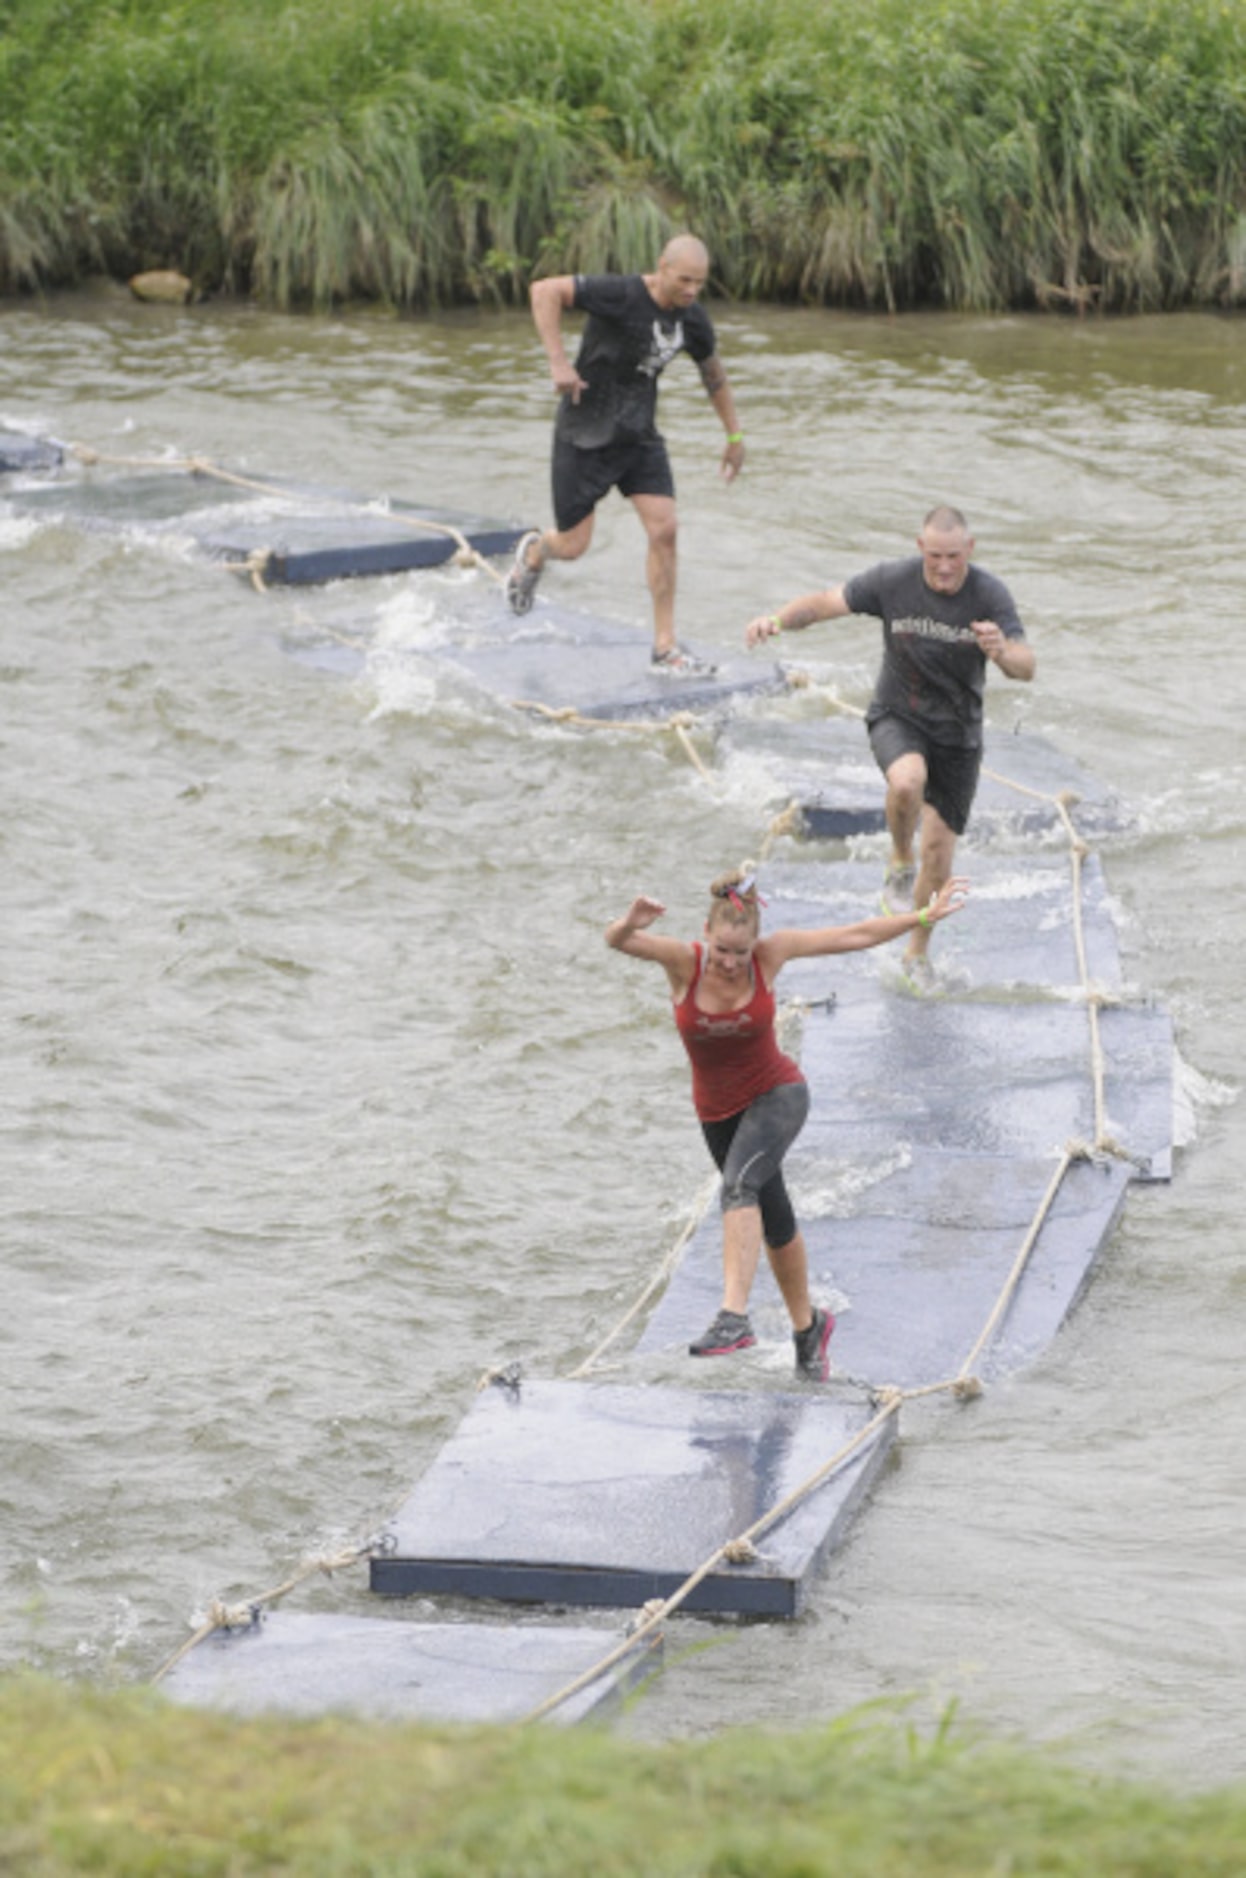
column 933, row 671
column 627, row 341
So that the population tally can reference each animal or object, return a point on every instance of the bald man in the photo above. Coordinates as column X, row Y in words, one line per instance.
column 944, row 620
column 606, row 435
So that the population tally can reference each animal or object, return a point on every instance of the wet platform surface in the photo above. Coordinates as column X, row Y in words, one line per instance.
column 912, row 1261
column 557, row 659
column 296, row 1663
column 609, row 1494
column 825, row 765
column 290, row 532
column 23, row 455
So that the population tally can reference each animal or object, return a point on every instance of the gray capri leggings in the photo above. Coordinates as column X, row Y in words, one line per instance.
column 748, row 1148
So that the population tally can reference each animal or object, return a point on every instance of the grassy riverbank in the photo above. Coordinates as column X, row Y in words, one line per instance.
column 123, row 1784
column 967, row 153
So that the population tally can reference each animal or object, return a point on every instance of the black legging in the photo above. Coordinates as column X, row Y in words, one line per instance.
column 748, row 1149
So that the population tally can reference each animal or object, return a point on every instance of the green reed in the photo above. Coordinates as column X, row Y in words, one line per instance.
column 963, row 153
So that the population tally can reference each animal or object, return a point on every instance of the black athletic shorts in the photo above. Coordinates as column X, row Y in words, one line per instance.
column 639, row 467
column 951, row 773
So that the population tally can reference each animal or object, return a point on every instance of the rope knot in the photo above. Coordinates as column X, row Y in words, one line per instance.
column 233, row 1617
column 646, row 1614
column 967, row 1389
column 505, row 1376
column 740, row 1552
column 887, row 1396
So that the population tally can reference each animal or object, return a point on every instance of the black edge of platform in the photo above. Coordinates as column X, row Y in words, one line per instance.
column 721, row 1593
column 316, row 566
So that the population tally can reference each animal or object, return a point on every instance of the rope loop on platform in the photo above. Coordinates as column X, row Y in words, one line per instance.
column 679, row 722
column 788, row 821
column 245, row 1616
column 505, row 1376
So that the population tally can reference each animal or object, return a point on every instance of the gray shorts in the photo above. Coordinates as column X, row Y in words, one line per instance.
column 749, row 1148
column 951, row 772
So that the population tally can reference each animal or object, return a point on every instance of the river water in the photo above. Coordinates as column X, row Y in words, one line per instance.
column 321, row 1093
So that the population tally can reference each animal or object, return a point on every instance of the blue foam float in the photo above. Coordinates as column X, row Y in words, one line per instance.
column 309, row 534
column 22, row 455
column 607, row 1494
column 555, row 660
column 381, row 1669
column 826, row 768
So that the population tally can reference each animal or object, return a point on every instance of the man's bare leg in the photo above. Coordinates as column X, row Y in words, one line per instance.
column 657, row 514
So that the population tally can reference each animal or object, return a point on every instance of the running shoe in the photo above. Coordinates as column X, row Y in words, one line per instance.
column 523, row 577
column 919, row 974
column 898, row 884
column 811, row 1358
column 729, row 1331
column 678, row 662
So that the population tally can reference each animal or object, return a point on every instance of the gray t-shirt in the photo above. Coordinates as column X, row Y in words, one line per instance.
column 933, row 671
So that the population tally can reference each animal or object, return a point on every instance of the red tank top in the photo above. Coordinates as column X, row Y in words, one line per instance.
column 735, row 1056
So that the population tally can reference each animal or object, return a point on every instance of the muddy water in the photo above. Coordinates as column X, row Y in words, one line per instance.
column 321, row 1093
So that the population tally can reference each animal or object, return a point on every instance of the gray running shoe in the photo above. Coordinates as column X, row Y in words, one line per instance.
column 920, row 974
column 811, row 1357
column 898, row 884
column 678, row 662
column 729, row 1331
column 522, row 580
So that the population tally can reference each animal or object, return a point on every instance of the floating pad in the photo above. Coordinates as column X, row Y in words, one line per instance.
column 1017, row 934
column 593, row 1494
column 827, row 769
column 25, row 455
column 915, row 1261
column 558, row 660
column 301, row 550
column 306, row 534
column 985, row 1079
column 297, row 1664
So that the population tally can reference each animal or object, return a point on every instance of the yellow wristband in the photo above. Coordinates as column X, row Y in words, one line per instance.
column 735, row 436
column 776, row 622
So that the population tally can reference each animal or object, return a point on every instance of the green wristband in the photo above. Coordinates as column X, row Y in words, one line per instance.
column 923, row 919
column 735, row 436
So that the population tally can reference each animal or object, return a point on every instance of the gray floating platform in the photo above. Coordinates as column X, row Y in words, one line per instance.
column 986, row 1079
column 306, row 534
column 826, row 767
column 22, row 455
column 298, row 1664
column 559, row 660
column 1016, row 936
column 915, row 1263
column 303, row 550
column 600, row 1494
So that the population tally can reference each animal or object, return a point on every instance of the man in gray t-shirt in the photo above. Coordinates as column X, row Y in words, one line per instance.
column 943, row 619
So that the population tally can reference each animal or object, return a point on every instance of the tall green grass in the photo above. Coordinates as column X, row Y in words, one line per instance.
column 973, row 154
column 124, row 1785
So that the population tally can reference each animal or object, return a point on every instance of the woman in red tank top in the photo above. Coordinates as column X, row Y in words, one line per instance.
column 750, row 1098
